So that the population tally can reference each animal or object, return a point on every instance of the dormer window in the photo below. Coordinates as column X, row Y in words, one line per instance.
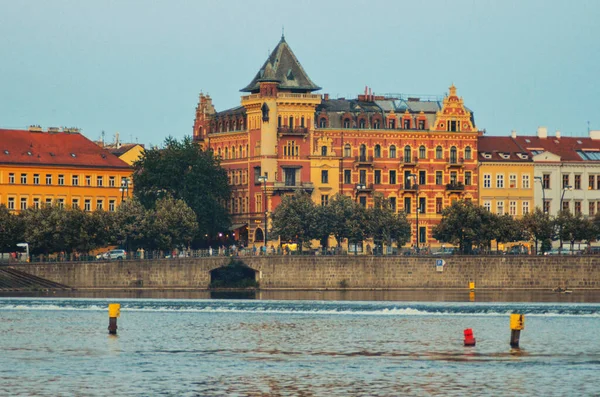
column 486, row 155
column 29, row 153
column 6, row 152
column 73, row 155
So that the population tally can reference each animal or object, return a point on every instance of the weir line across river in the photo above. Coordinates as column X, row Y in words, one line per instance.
column 334, row 272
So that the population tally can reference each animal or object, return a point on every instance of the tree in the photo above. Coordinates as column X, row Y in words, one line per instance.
column 132, row 225
column 538, row 226
column 171, row 224
column 183, row 171
column 508, row 229
column 11, row 230
column 384, row 225
column 341, row 211
column 294, row 219
column 462, row 225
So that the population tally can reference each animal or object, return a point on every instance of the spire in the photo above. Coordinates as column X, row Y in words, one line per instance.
column 282, row 67
column 282, row 33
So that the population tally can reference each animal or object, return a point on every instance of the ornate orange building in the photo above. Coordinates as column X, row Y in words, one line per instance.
column 421, row 154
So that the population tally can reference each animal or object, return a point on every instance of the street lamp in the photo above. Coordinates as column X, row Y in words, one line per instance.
column 359, row 188
column 263, row 179
column 124, row 188
column 562, row 196
column 539, row 179
column 418, row 207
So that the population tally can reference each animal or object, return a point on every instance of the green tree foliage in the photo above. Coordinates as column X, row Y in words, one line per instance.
column 132, row 231
column 11, row 230
column 385, row 226
column 464, row 224
column 295, row 219
column 341, row 209
column 538, row 226
column 183, row 171
column 171, row 224
column 573, row 228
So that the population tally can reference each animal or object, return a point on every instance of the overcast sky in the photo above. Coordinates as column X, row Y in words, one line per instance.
column 137, row 67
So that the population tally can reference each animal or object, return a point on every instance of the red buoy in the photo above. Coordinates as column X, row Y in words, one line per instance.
column 469, row 339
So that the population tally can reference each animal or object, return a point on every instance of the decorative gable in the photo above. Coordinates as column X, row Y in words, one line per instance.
column 453, row 116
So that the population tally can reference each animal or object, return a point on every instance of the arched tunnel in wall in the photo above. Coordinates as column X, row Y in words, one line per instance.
column 236, row 274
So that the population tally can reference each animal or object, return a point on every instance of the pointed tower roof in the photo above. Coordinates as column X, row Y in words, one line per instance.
column 282, row 67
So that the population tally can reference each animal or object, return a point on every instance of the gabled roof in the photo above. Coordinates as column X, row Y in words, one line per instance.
column 54, row 149
column 566, row 148
column 282, row 67
column 501, row 149
column 124, row 148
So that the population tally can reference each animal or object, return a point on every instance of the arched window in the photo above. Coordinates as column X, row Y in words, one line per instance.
column 219, row 152
column 376, row 125
column 453, row 154
column 323, row 150
column 468, row 153
column 323, row 123
column 233, row 152
column 422, row 152
column 346, row 123
column 347, row 150
column 392, row 152
column 407, row 154
column 226, row 153
column 363, row 152
column 361, row 123
column 241, row 155
column 377, row 152
column 438, row 152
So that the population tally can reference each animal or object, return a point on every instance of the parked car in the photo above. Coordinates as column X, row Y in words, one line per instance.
column 564, row 251
column 113, row 254
column 445, row 251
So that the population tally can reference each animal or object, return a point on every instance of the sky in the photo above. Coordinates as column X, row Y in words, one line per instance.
column 137, row 67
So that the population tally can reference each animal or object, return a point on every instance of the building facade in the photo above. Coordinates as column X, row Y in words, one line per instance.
column 420, row 154
column 59, row 167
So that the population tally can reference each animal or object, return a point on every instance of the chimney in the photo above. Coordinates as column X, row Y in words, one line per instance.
column 326, row 97
column 513, row 134
column 542, row 132
column 595, row 134
column 558, row 134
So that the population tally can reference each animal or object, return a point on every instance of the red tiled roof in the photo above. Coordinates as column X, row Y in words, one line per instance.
column 565, row 147
column 60, row 148
column 497, row 145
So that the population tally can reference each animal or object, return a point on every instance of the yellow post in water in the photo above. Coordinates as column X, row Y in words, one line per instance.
column 472, row 285
column 517, row 324
column 114, row 311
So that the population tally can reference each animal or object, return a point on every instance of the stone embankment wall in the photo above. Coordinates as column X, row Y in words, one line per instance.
column 330, row 272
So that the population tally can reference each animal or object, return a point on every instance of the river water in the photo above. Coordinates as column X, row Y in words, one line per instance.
column 360, row 343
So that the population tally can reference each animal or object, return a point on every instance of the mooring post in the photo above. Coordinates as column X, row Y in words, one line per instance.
column 517, row 324
column 114, row 311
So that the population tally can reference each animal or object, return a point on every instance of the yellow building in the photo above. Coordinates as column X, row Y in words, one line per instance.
column 128, row 152
column 61, row 167
column 506, row 183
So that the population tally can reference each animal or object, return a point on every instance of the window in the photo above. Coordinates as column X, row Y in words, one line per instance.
column 393, row 203
column 578, row 207
column 36, row 203
column 393, row 152
column 525, row 207
column 75, row 203
column 87, row 205
column 565, row 205
column 323, row 150
column 422, row 177
column 406, row 124
column 591, row 180
column 392, row 177
column 468, row 153
column 565, row 180
column 438, row 205
column 452, row 125
column 500, row 207
column 439, row 177
column 347, row 150
column 75, row 180
column 361, row 123
column 322, row 122
column 324, row 199
column 324, row 176
column 392, row 123
column 421, row 124
column 453, row 177
column 99, row 204
column 422, row 205
column 468, row 178
column 453, row 155
column 546, row 206
column 377, row 177
column 512, row 208
column 111, row 181
column 487, row 181
column 598, row 182
column 99, row 181
column 591, row 208
column 377, row 151
column 422, row 152
column 24, row 179
column 88, row 180
column 363, row 201
column 61, row 180
column 439, row 152
column 48, row 202
column 577, row 182
column 11, row 178
column 36, row 179
column 407, row 205
column 347, row 176
column 546, row 181
column 23, row 203
column 48, row 179
column 422, row 234
column 362, row 177
column 61, row 203
column 11, row 203
column 407, row 154
column 500, row 181
column 346, row 123
column 525, row 181
column 512, row 181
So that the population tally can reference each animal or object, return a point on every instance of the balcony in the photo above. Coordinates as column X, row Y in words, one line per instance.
column 455, row 187
column 294, row 131
column 409, row 161
column 363, row 188
column 363, row 161
column 411, row 187
column 282, row 187
column 454, row 162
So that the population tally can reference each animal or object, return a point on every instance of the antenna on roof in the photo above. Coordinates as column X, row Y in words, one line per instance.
column 282, row 33
column 588, row 123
